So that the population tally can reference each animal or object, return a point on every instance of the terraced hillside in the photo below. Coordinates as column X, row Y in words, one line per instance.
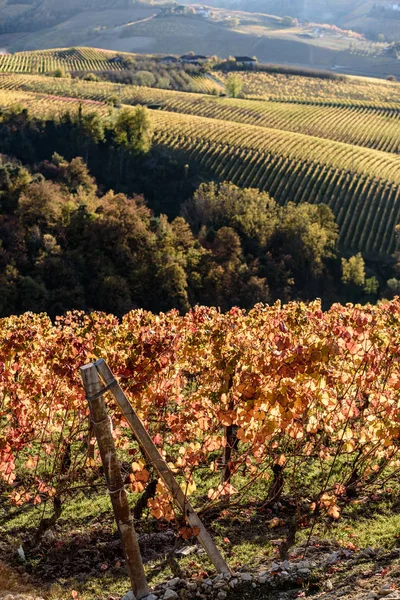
column 341, row 152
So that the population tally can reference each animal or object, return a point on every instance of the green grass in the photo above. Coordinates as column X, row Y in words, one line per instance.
column 243, row 535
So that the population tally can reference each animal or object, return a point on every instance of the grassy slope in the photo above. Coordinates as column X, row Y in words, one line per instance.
column 85, row 554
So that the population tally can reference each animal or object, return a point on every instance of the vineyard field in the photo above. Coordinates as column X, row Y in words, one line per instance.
column 133, row 231
column 361, row 186
column 48, row 106
column 308, row 390
column 338, row 144
column 303, row 89
column 68, row 59
column 89, row 60
column 370, row 125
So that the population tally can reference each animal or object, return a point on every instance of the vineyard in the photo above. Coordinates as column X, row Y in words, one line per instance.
column 48, row 106
column 375, row 126
column 69, row 59
column 303, row 404
column 281, row 423
column 315, row 140
column 285, row 87
column 360, row 184
column 88, row 60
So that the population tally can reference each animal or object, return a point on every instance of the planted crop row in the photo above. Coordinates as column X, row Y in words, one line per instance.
column 378, row 129
column 48, row 61
column 208, row 85
column 349, row 90
column 47, row 106
column 361, row 186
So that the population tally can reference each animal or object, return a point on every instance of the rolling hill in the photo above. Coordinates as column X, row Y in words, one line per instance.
column 370, row 17
column 320, row 141
column 161, row 28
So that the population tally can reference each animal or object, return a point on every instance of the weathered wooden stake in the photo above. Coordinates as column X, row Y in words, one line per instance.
column 152, row 453
column 115, row 484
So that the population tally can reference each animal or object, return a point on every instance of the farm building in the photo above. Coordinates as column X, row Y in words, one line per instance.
column 169, row 59
column 246, row 61
column 194, row 59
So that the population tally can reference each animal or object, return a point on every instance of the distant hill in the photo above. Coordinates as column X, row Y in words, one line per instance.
column 302, row 139
column 169, row 28
column 371, row 17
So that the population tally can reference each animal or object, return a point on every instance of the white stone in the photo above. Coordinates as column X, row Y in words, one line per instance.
column 222, row 595
column 262, row 579
column 150, row 597
column 129, row 596
column 329, row 585
column 246, row 577
column 219, row 585
column 263, row 573
column 233, row 583
column 186, row 550
column 284, row 574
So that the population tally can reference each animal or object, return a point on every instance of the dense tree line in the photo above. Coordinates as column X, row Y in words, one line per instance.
column 68, row 241
column 66, row 245
column 163, row 180
column 151, row 72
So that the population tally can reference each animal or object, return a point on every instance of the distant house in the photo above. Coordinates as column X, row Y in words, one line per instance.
column 246, row 61
column 194, row 59
column 169, row 59
column 203, row 12
column 115, row 59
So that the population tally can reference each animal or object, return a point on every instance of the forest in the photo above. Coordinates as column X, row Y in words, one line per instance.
column 68, row 242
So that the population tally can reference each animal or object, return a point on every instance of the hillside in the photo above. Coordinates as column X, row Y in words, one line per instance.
column 367, row 16
column 313, row 140
column 199, row 320
column 162, row 28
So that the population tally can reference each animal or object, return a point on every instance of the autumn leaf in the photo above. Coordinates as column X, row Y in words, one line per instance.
column 186, row 532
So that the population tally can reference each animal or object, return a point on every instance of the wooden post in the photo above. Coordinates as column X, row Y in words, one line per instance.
column 115, row 484
column 152, row 453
